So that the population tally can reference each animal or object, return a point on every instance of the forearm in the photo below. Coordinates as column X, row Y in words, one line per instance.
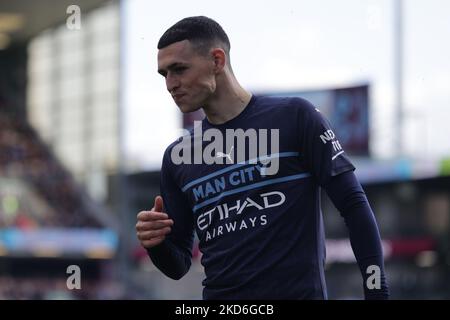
column 172, row 261
column 349, row 198
column 366, row 245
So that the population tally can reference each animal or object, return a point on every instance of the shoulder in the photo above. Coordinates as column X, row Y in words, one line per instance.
column 288, row 109
column 286, row 103
column 179, row 142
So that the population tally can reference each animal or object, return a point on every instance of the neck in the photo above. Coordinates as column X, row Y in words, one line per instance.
column 229, row 100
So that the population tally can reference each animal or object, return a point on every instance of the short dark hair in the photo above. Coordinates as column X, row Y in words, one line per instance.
column 202, row 31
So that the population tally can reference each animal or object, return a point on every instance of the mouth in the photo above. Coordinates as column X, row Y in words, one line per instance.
column 177, row 97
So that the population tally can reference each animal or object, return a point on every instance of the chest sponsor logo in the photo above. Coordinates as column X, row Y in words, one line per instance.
column 229, row 217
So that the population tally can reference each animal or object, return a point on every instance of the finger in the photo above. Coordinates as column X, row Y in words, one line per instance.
column 158, row 207
column 153, row 225
column 151, row 216
column 148, row 235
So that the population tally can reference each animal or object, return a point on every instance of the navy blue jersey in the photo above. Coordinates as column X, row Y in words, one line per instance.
column 261, row 235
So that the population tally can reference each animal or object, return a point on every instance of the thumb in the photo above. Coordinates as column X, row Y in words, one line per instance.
column 158, row 207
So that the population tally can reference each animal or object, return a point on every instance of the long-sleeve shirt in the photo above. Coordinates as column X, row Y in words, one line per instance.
column 257, row 215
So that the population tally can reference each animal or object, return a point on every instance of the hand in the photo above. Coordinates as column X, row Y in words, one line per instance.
column 153, row 226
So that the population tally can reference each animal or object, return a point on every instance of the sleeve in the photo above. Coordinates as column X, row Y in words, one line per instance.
column 173, row 256
column 347, row 195
column 323, row 153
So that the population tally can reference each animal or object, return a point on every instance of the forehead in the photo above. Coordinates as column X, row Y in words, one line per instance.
column 181, row 51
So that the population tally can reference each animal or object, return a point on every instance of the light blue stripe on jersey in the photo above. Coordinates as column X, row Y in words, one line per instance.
column 251, row 186
column 238, row 165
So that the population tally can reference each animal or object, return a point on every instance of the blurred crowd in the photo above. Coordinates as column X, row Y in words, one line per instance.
column 36, row 191
column 24, row 157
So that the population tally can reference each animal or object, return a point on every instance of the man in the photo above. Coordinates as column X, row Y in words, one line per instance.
column 259, row 225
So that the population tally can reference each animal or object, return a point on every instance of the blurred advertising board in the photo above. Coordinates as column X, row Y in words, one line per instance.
column 52, row 242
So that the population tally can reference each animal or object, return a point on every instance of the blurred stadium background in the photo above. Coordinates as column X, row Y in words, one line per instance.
column 84, row 120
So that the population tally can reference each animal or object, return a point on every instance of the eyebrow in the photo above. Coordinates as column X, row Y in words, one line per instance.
column 174, row 65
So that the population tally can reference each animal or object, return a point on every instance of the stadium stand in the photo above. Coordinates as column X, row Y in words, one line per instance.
column 25, row 158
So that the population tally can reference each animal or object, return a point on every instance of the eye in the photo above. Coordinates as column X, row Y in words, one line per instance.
column 179, row 70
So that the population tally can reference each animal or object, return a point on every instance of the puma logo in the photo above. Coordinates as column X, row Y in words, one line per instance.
column 225, row 155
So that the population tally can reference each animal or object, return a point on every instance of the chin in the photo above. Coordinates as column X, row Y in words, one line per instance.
column 187, row 109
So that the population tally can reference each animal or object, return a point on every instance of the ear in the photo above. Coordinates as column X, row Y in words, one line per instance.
column 220, row 59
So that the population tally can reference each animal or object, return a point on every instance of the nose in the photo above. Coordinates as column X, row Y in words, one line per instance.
column 172, row 83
